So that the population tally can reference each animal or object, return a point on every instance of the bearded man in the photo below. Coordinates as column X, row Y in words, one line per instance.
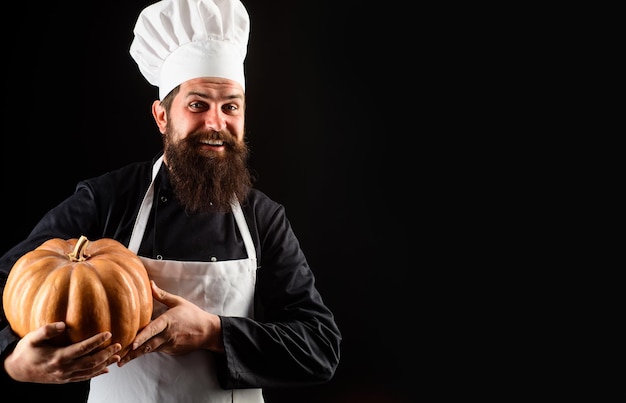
column 236, row 308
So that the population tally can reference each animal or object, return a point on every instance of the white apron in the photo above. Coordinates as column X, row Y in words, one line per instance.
column 223, row 288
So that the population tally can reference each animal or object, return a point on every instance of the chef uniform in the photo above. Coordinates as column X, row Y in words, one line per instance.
column 222, row 288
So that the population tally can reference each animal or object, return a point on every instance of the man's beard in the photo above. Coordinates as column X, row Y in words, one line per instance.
column 206, row 181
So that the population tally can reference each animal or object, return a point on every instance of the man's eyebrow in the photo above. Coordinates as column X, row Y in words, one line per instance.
column 207, row 96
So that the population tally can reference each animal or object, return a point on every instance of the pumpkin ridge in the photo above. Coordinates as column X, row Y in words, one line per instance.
column 57, row 246
column 51, row 300
column 128, row 307
column 87, row 315
column 24, row 283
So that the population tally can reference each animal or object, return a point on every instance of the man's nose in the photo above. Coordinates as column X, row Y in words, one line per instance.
column 215, row 120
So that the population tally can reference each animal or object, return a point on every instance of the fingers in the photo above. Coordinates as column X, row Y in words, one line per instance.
column 132, row 354
column 162, row 295
column 51, row 330
column 47, row 332
column 152, row 329
column 92, row 344
column 95, row 363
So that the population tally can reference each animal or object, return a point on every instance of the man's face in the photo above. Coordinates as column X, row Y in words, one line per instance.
column 204, row 144
column 205, row 106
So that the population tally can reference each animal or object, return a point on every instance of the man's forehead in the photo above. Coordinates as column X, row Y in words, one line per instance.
column 212, row 87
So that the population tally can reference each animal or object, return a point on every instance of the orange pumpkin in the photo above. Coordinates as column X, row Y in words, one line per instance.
column 91, row 286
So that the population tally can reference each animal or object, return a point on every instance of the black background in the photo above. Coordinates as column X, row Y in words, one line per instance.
column 325, row 87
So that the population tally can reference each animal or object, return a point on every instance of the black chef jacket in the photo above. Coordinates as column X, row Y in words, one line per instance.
column 293, row 339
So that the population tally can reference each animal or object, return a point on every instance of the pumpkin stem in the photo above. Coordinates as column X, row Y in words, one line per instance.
column 79, row 255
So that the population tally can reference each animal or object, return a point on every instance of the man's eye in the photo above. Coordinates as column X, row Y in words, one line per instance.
column 197, row 105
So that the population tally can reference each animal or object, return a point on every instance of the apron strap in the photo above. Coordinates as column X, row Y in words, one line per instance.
column 244, row 230
column 146, row 205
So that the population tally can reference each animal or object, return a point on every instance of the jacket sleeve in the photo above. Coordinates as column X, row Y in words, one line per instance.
column 293, row 339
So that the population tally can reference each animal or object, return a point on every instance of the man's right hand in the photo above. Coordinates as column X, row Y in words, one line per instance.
column 35, row 359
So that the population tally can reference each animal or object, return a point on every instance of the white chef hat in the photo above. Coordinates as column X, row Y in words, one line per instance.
column 178, row 40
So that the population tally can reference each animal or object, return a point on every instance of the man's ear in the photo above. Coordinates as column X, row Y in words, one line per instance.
column 160, row 117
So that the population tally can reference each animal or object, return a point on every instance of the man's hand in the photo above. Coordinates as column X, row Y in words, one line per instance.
column 36, row 360
column 183, row 328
